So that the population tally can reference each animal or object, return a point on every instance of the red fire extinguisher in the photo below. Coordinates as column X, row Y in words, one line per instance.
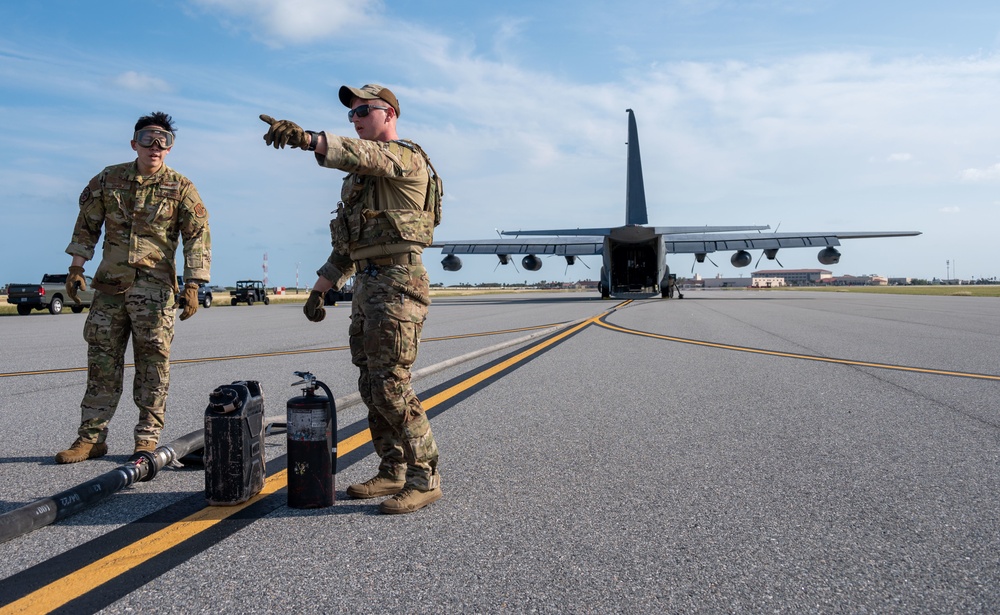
column 312, row 445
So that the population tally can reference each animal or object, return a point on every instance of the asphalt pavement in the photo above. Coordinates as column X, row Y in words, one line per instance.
column 731, row 452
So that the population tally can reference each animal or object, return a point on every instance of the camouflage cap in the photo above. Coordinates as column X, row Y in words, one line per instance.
column 370, row 91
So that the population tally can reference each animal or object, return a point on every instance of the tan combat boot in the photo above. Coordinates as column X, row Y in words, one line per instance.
column 375, row 487
column 409, row 500
column 82, row 451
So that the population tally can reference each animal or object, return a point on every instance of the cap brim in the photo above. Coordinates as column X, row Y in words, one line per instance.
column 348, row 94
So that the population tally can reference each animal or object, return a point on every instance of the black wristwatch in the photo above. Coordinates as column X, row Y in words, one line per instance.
column 313, row 141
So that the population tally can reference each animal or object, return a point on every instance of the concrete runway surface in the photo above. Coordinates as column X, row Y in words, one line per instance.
column 735, row 451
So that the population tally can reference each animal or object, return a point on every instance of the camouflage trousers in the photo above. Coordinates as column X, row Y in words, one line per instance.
column 384, row 334
column 145, row 313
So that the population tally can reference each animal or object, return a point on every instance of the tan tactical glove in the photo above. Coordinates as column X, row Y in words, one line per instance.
column 284, row 132
column 190, row 300
column 313, row 309
column 73, row 280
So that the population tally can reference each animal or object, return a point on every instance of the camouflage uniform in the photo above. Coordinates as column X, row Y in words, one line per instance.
column 383, row 224
column 135, row 284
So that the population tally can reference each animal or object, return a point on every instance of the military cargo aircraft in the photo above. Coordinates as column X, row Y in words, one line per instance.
column 635, row 254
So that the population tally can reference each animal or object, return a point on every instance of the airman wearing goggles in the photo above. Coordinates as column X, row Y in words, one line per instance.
column 147, row 137
column 144, row 210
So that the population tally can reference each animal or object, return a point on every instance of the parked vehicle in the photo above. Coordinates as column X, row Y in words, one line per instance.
column 249, row 291
column 50, row 295
column 204, row 294
column 331, row 297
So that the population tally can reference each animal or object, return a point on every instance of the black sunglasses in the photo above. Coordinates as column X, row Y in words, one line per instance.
column 362, row 111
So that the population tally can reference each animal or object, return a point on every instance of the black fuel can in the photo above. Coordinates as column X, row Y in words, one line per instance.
column 234, row 443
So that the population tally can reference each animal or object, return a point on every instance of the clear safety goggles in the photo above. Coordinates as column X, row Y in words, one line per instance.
column 148, row 136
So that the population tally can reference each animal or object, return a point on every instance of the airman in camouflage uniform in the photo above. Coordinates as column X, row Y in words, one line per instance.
column 144, row 208
column 390, row 204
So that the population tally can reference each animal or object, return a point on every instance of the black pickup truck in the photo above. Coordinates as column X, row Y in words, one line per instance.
column 50, row 295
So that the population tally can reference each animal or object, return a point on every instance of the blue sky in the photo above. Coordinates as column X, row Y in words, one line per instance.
column 818, row 115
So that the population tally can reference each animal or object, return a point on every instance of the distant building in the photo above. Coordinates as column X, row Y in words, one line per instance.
column 720, row 282
column 900, row 281
column 858, row 280
column 762, row 282
column 795, row 277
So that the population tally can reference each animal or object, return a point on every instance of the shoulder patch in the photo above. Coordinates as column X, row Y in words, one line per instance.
column 85, row 196
column 200, row 211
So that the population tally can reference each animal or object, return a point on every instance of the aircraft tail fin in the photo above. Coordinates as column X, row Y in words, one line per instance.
column 635, row 192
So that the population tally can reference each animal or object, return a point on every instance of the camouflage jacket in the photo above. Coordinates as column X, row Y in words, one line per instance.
column 143, row 218
column 382, row 207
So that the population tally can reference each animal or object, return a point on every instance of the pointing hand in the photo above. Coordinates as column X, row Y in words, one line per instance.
column 284, row 132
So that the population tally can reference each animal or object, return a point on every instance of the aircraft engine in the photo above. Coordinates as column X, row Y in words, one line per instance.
column 829, row 256
column 531, row 262
column 771, row 254
column 451, row 263
column 741, row 259
column 504, row 259
column 570, row 259
column 700, row 257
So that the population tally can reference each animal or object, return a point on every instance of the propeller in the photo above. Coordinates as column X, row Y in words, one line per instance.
column 572, row 260
column 771, row 253
column 701, row 260
column 505, row 259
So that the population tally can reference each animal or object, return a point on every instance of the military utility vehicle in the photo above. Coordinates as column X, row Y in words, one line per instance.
column 249, row 291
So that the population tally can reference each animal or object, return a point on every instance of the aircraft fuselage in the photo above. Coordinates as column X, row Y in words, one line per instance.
column 634, row 262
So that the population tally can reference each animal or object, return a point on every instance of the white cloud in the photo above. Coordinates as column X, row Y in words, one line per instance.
column 299, row 21
column 524, row 143
column 139, row 82
column 991, row 173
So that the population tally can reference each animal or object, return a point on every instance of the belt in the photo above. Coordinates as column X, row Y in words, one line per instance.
column 408, row 258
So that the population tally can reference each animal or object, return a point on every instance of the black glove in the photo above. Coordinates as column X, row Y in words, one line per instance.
column 73, row 280
column 313, row 309
column 190, row 300
column 284, row 132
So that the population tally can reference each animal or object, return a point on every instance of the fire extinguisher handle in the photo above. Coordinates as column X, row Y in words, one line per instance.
column 333, row 419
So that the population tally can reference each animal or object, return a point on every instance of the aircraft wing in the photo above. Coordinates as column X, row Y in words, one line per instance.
column 562, row 232
column 563, row 246
column 704, row 243
column 660, row 230
column 701, row 230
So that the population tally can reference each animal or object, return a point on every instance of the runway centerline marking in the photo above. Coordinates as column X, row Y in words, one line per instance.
column 792, row 355
column 107, row 568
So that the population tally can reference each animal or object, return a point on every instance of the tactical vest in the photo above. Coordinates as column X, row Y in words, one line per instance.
column 371, row 213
